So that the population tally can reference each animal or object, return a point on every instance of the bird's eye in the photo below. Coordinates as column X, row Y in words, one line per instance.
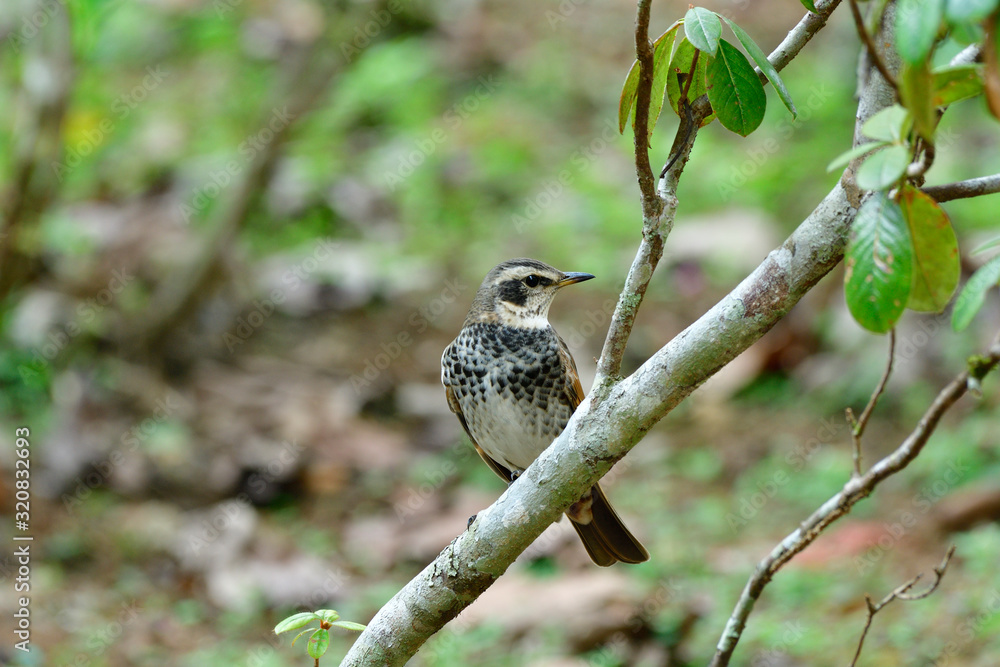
column 532, row 280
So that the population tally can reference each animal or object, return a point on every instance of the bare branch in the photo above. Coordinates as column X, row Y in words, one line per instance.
column 651, row 204
column 901, row 593
column 840, row 504
column 858, row 427
column 974, row 187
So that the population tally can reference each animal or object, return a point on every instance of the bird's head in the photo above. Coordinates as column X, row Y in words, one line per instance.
column 518, row 293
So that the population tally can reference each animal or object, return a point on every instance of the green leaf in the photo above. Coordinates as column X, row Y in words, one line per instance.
column 295, row 621
column 953, row 84
column 703, row 29
column 734, row 90
column 917, row 25
column 808, row 4
column 989, row 245
column 889, row 124
column 318, row 643
column 327, row 615
column 680, row 65
column 764, row 64
column 883, row 169
column 973, row 295
column 663, row 49
column 936, row 264
column 968, row 11
column 845, row 158
column 879, row 261
column 915, row 90
column 349, row 625
column 627, row 100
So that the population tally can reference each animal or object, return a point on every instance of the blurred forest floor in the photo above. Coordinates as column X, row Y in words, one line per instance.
column 282, row 441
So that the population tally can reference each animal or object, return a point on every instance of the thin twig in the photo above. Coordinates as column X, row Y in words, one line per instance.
column 840, row 504
column 651, row 204
column 974, row 187
column 858, row 426
column 859, row 23
column 901, row 593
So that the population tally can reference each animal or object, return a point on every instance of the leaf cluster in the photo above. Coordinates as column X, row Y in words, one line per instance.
column 319, row 639
column 700, row 62
column 903, row 252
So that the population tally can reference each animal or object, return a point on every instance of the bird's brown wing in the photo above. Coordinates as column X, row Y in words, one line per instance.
column 456, row 407
column 574, row 390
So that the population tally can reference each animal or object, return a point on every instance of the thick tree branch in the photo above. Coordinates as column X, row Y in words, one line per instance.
column 974, row 187
column 901, row 593
column 839, row 505
column 658, row 219
column 600, row 433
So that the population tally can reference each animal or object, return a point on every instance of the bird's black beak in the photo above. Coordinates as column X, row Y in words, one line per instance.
column 572, row 277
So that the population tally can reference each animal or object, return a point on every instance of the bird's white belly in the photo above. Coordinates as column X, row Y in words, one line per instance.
column 506, row 433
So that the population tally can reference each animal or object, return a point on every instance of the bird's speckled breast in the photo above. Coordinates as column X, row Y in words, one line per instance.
column 511, row 386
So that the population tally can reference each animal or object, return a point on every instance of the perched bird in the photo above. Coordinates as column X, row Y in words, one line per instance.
column 514, row 385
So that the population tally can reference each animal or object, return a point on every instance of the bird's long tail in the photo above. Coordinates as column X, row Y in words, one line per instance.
column 605, row 537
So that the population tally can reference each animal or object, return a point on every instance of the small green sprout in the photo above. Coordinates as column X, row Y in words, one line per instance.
column 319, row 640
